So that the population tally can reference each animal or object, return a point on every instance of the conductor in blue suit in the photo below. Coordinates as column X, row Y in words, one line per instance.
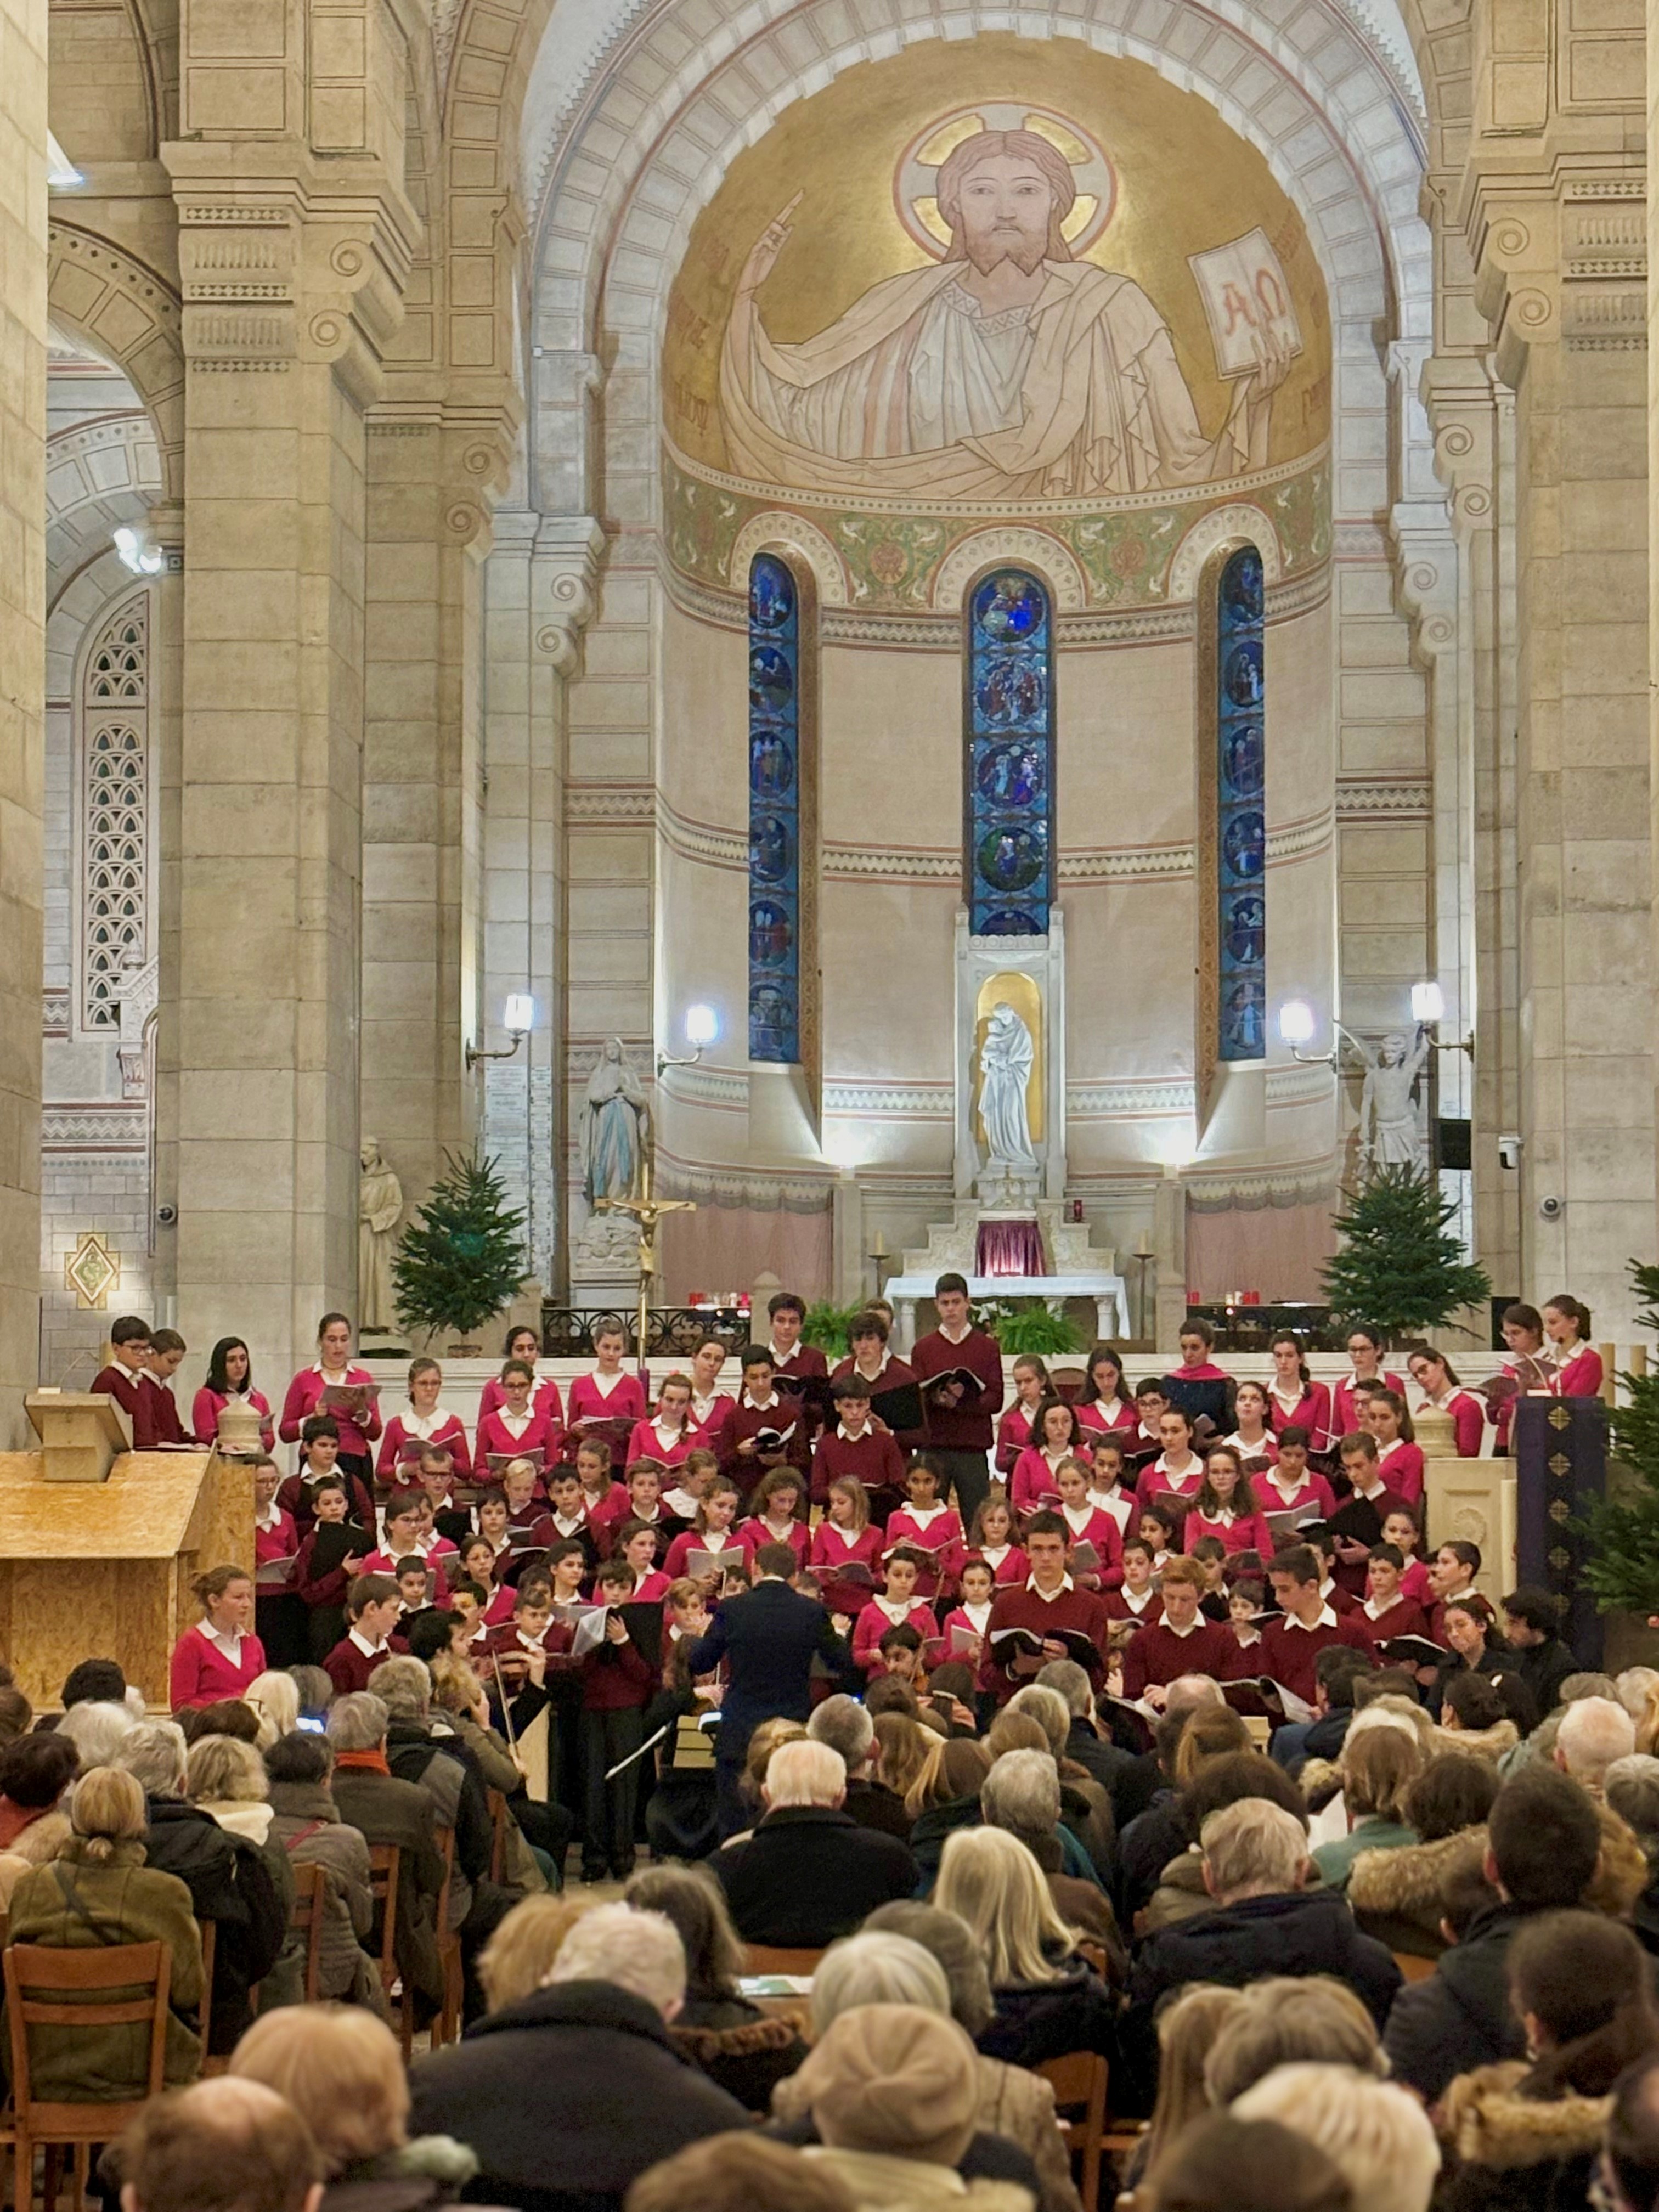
column 769, row 1637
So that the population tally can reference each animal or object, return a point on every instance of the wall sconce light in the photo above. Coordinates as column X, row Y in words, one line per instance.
column 702, row 1027
column 518, row 1019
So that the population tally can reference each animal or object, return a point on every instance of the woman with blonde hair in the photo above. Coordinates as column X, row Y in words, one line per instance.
column 1049, row 1999
column 98, row 1892
column 904, row 1748
column 342, row 2071
column 276, row 1701
column 518, row 1957
column 227, row 1777
column 944, row 1797
column 1186, row 2027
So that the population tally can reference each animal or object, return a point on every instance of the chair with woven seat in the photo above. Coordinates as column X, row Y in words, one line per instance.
column 49, row 1986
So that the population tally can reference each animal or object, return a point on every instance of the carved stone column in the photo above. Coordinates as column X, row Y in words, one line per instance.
column 295, row 238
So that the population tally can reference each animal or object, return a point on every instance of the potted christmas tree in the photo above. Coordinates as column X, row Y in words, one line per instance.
column 463, row 1258
column 1401, row 1269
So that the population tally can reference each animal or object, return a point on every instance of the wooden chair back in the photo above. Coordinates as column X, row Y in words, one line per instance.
column 49, row 1987
column 499, row 1817
column 447, row 2027
column 209, row 1932
column 385, row 1872
column 1078, row 2081
column 310, row 1905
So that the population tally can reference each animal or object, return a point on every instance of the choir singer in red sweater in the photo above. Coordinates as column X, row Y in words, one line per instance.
column 1047, row 1605
column 961, row 1429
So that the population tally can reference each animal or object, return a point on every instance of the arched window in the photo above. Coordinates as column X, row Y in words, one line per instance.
column 1009, row 717
column 114, row 812
column 1241, row 843
column 776, row 781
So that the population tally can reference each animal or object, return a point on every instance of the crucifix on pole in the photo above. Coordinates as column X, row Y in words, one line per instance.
column 646, row 1210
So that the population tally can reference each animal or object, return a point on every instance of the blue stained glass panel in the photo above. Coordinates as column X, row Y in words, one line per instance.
column 774, row 811
column 1009, row 715
column 1241, row 778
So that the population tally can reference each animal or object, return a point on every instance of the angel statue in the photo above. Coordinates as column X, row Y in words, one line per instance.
column 614, row 1127
column 1390, row 1135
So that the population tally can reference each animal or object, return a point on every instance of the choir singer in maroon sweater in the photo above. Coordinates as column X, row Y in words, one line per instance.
column 1049, row 1605
column 960, row 1423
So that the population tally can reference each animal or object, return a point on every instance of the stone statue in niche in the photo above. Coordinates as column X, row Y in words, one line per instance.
column 380, row 1202
column 1391, row 1133
column 1012, row 1173
column 615, row 1123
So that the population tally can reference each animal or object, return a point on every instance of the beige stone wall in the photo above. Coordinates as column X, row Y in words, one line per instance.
column 22, row 677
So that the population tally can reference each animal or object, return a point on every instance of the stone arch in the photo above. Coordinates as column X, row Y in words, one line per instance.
column 1221, row 533
column 1055, row 565
column 778, row 531
column 125, row 312
column 99, row 475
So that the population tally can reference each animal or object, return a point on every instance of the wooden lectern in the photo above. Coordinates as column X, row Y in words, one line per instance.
column 100, row 1544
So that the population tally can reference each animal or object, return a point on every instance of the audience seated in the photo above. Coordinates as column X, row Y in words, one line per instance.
column 1543, row 1844
column 1188, row 2024
column 893, row 2095
column 881, row 1967
column 342, row 2072
column 808, row 1873
column 1525, row 2135
column 1397, row 1895
column 1374, row 2132
column 386, row 1810
column 1281, row 2022
column 1084, row 1743
column 736, row 2044
column 1049, row 2000
column 739, row 2173
column 1263, row 1920
column 307, row 1824
column 227, row 1878
column 519, row 1955
column 35, row 1771
column 843, row 1722
column 1217, row 1783
column 1022, row 1794
column 1224, row 2165
column 97, row 1728
column 1631, row 2154
column 1378, row 1766
column 96, row 1894
column 572, row 2092
column 1594, row 1732
column 1530, row 1617
column 944, row 1797
column 224, row 2146
column 1188, row 1742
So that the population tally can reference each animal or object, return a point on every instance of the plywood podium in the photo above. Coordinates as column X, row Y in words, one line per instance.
column 100, row 1566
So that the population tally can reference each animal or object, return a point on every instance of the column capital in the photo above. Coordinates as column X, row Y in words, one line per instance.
column 1465, row 397
column 565, row 568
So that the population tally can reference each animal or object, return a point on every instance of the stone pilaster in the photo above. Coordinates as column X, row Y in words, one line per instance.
column 22, row 689
column 295, row 238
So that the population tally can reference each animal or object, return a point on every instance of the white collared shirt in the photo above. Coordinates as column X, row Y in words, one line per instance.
column 1050, row 1597
column 923, row 1516
column 880, row 1371
column 977, row 1615
column 268, row 1516
column 952, row 1337
column 1137, row 1600
column 1373, row 1611
column 426, row 1425
column 761, row 1405
column 1326, row 1620
column 994, row 1554
column 1191, row 1628
column 897, row 1610
column 570, row 1528
column 847, row 1435
column 515, row 1423
column 681, row 1504
column 606, row 1384
column 230, row 1644
column 780, row 1357
column 703, row 1408
column 369, row 1650
column 1077, row 1518
column 666, row 1438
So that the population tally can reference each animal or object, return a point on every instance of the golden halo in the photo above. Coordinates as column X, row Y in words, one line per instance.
column 915, row 197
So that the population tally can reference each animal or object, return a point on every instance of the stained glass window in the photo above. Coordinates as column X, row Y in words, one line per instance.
column 775, row 817
column 115, row 802
column 1011, row 755
column 1240, row 828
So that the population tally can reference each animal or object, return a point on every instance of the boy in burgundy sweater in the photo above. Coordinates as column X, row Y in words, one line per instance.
column 1306, row 1625
column 1183, row 1642
column 373, row 1610
column 759, row 1407
column 617, row 1687
column 961, row 1423
column 124, row 1378
column 854, row 1446
column 1047, row 1602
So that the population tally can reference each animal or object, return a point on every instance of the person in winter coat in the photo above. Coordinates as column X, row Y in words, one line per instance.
column 893, row 2095
column 944, row 1797
column 1525, row 2135
column 306, row 1822
column 98, row 1892
column 1543, row 1845
column 1217, row 1783
column 228, row 1881
column 1049, row 1999
column 1015, row 2137
column 599, row 2028
column 36, row 1772
column 734, row 2042
column 342, row 2072
column 1398, row 1895
column 1263, row 1922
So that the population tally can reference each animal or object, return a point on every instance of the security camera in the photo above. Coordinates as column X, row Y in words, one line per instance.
column 1508, row 1150
column 166, row 1215
column 1551, row 1208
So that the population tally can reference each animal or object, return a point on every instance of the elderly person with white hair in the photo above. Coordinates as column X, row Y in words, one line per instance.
column 569, row 2094
column 844, row 1724
column 1263, row 1920
column 1022, row 1794
column 228, row 1880
column 1594, row 1732
column 1377, row 2134
column 807, row 1873
column 1016, row 2138
column 97, row 1728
